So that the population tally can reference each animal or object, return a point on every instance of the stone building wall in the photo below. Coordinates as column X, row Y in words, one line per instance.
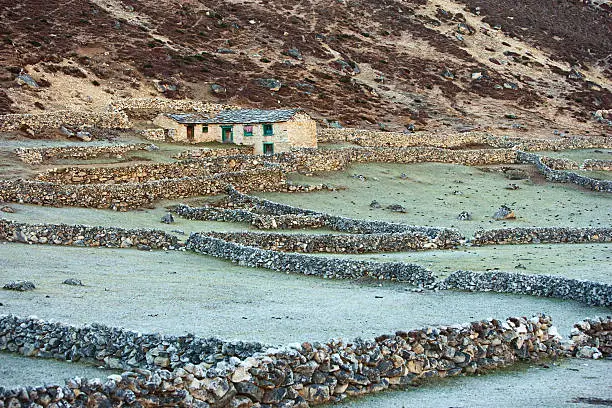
column 39, row 155
column 297, row 376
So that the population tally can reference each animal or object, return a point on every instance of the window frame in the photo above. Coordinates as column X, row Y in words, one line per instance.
column 205, row 128
column 248, row 133
column 269, row 126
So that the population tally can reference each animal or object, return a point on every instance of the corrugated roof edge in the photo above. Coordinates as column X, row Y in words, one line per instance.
column 238, row 116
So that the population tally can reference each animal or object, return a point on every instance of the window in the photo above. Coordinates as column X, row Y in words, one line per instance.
column 204, row 128
column 267, row 129
column 268, row 148
column 248, row 130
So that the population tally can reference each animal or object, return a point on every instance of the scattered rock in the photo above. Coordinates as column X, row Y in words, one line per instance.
column 143, row 247
column 464, row 216
column 403, row 176
column 65, row 131
column 397, row 208
column 84, row 136
column 504, row 213
column 20, row 286
column 375, row 204
column 167, row 219
column 7, row 209
column 225, row 51
column 25, row 79
column 295, row 53
column 588, row 352
column 218, row 89
column 447, row 74
column 270, row 83
column 574, row 74
column 152, row 147
column 73, row 282
column 512, row 186
column 359, row 177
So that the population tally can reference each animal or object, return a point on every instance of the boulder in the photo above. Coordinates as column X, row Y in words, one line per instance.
column 218, row 89
column 167, row 218
column 25, row 79
column 504, row 213
column 73, row 282
column 7, row 209
column 21, row 286
column 397, row 208
column 464, row 216
column 270, row 83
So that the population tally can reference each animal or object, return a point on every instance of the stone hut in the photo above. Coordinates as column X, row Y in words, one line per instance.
column 268, row 131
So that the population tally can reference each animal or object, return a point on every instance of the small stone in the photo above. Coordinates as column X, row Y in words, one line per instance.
column 504, row 213
column 167, row 219
column 464, row 216
column 7, row 209
column 20, row 286
column 375, row 204
column 73, row 282
column 397, row 208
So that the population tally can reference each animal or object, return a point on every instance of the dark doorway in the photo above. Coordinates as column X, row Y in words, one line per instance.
column 268, row 148
column 227, row 134
column 190, row 132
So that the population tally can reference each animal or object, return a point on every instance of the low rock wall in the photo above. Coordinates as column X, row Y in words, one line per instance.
column 537, row 235
column 85, row 236
column 368, row 138
column 600, row 165
column 309, row 374
column 558, row 163
column 208, row 152
column 126, row 196
column 156, row 135
column 558, row 176
column 328, row 243
column 591, row 293
column 38, row 121
column 149, row 172
column 114, row 348
column 595, row 334
column 39, row 155
column 307, row 264
column 135, row 106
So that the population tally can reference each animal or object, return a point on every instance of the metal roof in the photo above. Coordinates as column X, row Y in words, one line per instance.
column 238, row 116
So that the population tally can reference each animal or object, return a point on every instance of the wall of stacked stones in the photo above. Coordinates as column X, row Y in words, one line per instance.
column 114, row 348
column 208, row 152
column 591, row 293
column 593, row 164
column 39, row 155
column 136, row 195
column 306, row 374
column 330, row 243
column 558, row 176
column 37, row 121
column 137, row 106
column 85, row 236
column 537, row 235
column 595, row 333
column 397, row 139
column 308, row 264
column 149, row 172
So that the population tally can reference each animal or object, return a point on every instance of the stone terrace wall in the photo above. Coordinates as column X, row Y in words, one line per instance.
column 136, row 195
column 595, row 333
column 307, row 264
column 558, row 176
column 37, row 121
column 39, row 155
column 537, row 235
column 149, row 172
column 592, row 164
column 557, row 163
column 591, row 293
column 85, row 236
column 311, row 374
column 328, row 243
column 114, row 348
column 158, row 105
column 208, row 152
column 396, row 139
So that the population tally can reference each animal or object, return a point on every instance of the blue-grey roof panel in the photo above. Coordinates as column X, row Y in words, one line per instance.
column 238, row 116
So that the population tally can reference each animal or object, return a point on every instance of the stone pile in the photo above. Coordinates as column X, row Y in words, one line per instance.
column 594, row 334
column 591, row 293
column 20, row 286
column 85, row 236
column 39, row 155
column 309, row 373
column 538, row 235
column 308, row 264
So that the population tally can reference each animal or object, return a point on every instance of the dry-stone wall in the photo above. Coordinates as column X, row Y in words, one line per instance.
column 558, row 176
column 39, row 155
column 591, row 293
column 296, row 376
column 368, row 138
column 330, row 243
column 208, row 152
column 593, row 164
column 558, row 163
column 126, row 196
column 537, row 235
column 155, row 134
column 85, row 236
column 149, row 172
column 595, row 334
column 37, row 121
column 135, row 106
column 308, row 264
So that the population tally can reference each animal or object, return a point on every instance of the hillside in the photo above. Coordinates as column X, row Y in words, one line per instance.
column 536, row 68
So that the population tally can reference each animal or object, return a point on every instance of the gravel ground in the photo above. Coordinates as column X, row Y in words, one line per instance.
column 434, row 194
column 16, row 370
column 561, row 385
column 179, row 292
